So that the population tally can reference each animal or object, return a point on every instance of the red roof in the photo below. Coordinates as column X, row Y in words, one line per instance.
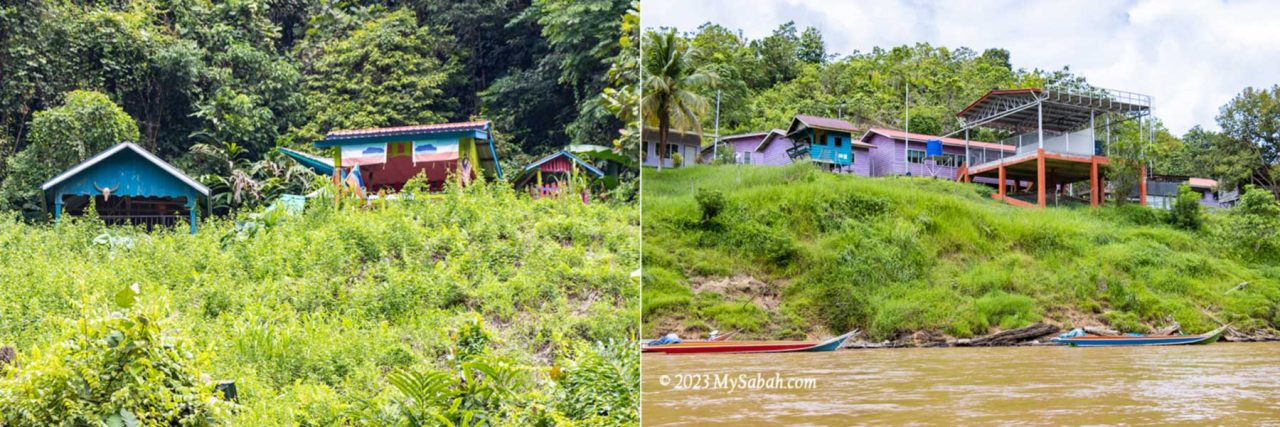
column 353, row 133
column 826, row 123
column 1202, row 182
column 897, row 134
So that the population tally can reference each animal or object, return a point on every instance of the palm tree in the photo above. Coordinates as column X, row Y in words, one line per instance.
column 669, row 77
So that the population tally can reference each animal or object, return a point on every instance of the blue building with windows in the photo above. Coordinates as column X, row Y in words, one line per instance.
column 126, row 185
column 829, row 142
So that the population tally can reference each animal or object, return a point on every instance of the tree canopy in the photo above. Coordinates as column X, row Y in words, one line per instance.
column 197, row 76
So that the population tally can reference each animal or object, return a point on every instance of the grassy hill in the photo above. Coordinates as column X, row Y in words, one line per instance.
column 313, row 315
column 791, row 251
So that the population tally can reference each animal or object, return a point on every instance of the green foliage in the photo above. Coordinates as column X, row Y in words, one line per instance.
column 88, row 122
column 711, row 202
column 257, row 74
column 896, row 255
column 310, row 314
column 601, row 384
column 1008, row 311
column 389, row 71
column 128, row 368
column 1187, row 213
column 1251, row 229
column 1251, row 124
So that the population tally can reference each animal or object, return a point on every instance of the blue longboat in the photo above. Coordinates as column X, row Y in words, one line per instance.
column 1129, row 340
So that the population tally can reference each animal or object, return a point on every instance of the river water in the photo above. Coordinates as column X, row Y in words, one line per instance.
column 1219, row 384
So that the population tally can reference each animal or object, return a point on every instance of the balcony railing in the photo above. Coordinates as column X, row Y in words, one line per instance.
column 149, row 221
column 823, row 153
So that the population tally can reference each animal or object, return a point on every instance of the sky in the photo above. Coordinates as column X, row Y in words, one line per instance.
column 1190, row 56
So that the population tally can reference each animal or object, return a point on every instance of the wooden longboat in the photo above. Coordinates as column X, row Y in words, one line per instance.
column 750, row 346
column 1129, row 340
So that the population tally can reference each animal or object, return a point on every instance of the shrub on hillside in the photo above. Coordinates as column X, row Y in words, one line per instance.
column 124, row 369
column 711, row 202
column 1251, row 230
column 1008, row 311
column 1187, row 213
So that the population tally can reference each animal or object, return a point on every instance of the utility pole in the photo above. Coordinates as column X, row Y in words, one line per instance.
column 906, row 139
column 715, row 145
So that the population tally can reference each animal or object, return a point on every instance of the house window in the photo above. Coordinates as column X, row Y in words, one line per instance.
column 915, row 157
column 671, row 149
column 839, row 141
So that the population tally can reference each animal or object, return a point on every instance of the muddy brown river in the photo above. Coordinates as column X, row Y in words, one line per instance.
column 1219, row 384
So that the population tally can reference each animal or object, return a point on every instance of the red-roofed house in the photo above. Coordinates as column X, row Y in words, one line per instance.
column 893, row 155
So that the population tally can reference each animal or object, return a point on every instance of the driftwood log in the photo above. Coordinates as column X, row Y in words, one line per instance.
column 1099, row 330
column 1014, row 336
column 1168, row 330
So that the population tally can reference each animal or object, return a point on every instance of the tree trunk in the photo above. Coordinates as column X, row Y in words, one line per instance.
column 664, row 126
column 1014, row 336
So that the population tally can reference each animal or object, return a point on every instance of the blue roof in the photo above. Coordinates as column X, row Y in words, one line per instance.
column 316, row 163
column 72, row 180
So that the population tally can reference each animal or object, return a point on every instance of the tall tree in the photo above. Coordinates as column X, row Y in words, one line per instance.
column 389, row 71
column 669, row 79
column 61, row 137
column 778, row 52
column 811, row 48
column 1251, row 121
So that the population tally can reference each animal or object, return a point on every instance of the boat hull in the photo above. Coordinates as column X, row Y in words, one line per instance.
column 1121, row 340
column 750, row 346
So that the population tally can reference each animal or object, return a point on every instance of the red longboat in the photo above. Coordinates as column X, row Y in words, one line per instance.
column 749, row 346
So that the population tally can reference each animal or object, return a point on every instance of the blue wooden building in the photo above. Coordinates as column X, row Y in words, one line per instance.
column 829, row 142
column 127, row 185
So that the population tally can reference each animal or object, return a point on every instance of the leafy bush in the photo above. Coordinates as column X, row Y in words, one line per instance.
column 711, row 202
column 124, row 369
column 1008, row 311
column 309, row 313
column 87, row 122
column 1187, row 213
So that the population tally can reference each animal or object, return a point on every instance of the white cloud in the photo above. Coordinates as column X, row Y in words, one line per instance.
column 1191, row 56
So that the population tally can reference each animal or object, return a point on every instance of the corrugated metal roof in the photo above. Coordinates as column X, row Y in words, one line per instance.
column 1202, row 182
column 826, row 123
column 402, row 130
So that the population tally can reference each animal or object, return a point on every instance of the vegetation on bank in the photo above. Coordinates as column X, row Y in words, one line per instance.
column 790, row 251
column 476, row 305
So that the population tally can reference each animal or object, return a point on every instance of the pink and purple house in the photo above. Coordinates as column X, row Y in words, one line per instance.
column 902, row 153
column 760, row 148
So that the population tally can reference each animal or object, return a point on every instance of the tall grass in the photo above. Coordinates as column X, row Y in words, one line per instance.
column 894, row 255
column 309, row 314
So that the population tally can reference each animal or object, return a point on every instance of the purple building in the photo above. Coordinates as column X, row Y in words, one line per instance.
column 902, row 153
column 1162, row 191
column 760, row 148
column 688, row 145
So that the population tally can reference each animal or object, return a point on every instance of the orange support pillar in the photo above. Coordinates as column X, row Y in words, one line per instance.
column 1003, row 183
column 1093, row 182
column 1142, row 185
column 1040, row 181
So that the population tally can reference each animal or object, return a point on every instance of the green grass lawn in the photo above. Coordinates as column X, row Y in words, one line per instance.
column 311, row 314
column 896, row 255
